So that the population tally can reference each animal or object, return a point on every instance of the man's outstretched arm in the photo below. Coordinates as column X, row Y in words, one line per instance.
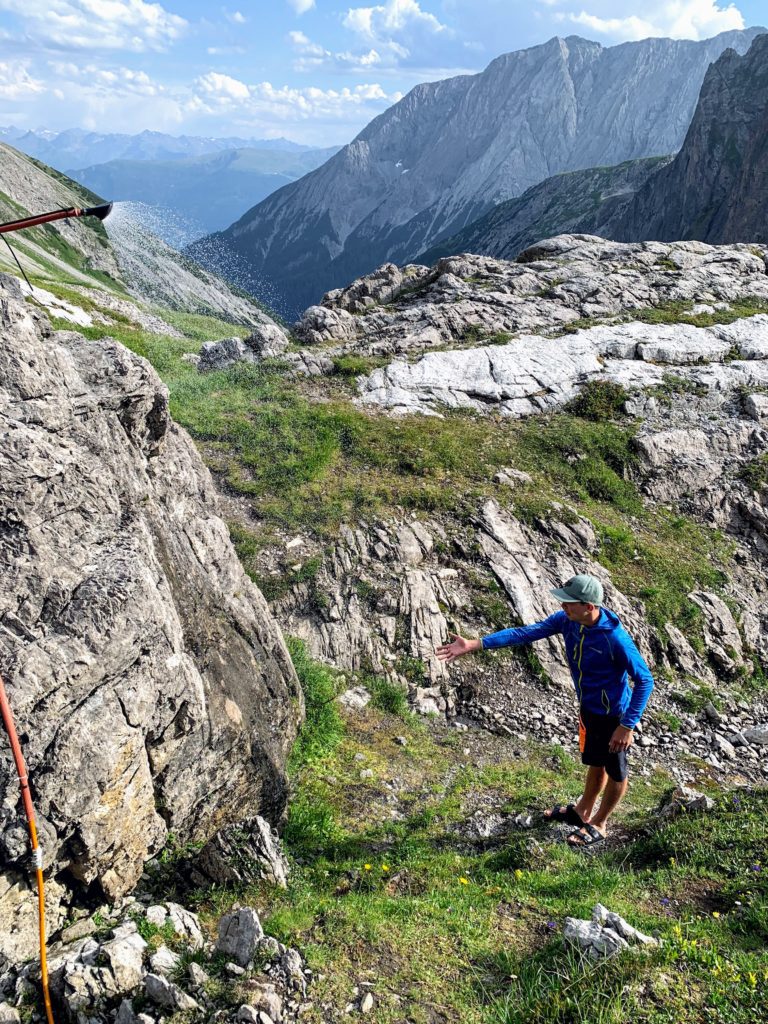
column 505, row 638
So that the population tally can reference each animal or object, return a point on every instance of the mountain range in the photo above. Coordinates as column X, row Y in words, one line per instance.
column 75, row 147
column 450, row 151
column 714, row 190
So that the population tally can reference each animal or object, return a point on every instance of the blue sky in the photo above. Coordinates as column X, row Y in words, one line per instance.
column 315, row 71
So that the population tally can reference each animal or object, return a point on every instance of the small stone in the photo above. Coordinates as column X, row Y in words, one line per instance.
column 401, row 741
column 164, row 961
column 156, row 915
column 197, row 976
column 758, row 735
column 355, row 699
column 366, row 773
column 235, row 970
column 367, row 1003
column 78, row 930
column 249, row 1014
column 164, row 993
column 240, row 934
column 9, row 1015
column 712, row 714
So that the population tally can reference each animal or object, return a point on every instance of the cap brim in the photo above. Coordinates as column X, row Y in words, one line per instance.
column 565, row 597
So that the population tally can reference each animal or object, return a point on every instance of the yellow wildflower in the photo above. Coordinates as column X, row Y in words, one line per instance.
column 464, row 881
column 367, row 867
column 518, row 874
column 715, row 913
column 385, row 867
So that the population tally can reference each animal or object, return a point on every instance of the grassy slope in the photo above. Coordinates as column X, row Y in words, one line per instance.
column 447, row 929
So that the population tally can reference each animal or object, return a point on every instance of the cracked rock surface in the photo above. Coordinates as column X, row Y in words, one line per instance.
column 137, row 654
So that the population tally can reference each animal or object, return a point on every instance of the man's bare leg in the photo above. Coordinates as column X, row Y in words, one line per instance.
column 614, row 792
column 594, row 785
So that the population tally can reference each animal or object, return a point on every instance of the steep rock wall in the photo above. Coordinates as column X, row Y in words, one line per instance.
column 151, row 686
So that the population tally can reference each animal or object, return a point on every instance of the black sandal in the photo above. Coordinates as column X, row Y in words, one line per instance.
column 569, row 815
column 585, row 841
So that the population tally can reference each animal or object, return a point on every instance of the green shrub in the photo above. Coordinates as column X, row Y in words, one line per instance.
column 323, row 728
column 598, row 400
column 388, row 696
column 755, row 473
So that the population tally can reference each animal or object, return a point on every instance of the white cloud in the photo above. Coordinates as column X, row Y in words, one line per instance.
column 301, row 6
column 263, row 104
column 222, row 88
column 16, row 83
column 677, row 19
column 99, row 24
column 388, row 19
column 313, row 57
column 236, row 16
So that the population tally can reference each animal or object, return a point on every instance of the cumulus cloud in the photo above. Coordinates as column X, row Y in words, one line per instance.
column 132, row 25
column 384, row 21
column 301, row 6
column 16, row 83
column 312, row 56
column 222, row 88
column 677, row 19
column 215, row 93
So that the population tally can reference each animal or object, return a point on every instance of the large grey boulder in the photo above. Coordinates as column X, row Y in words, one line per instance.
column 151, row 685
column 267, row 340
column 245, row 852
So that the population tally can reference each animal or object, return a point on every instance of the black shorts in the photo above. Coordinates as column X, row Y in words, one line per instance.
column 600, row 729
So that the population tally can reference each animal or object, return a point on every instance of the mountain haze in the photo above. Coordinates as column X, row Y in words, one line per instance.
column 210, row 190
column 450, row 150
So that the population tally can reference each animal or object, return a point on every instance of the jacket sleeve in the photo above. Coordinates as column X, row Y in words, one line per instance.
column 641, row 677
column 526, row 634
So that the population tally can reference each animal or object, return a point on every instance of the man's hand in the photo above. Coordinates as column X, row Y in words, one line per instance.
column 458, row 647
column 621, row 740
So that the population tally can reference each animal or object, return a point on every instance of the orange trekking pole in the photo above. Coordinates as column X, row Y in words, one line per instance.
column 37, row 853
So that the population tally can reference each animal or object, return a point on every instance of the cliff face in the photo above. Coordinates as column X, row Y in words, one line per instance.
column 716, row 190
column 556, row 206
column 450, row 150
column 150, row 684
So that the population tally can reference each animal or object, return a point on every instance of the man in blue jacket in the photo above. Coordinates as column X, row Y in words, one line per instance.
column 602, row 658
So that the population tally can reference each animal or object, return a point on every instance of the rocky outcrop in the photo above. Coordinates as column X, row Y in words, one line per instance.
column 606, row 935
column 266, row 342
column 716, row 189
column 532, row 374
column 150, row 684
column 102, row 968
column 450, row 150
column 467, row 300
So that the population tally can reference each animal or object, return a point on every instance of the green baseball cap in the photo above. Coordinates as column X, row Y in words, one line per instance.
column 584, row 588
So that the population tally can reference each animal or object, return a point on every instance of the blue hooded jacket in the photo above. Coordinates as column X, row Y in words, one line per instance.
column 602, row 658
